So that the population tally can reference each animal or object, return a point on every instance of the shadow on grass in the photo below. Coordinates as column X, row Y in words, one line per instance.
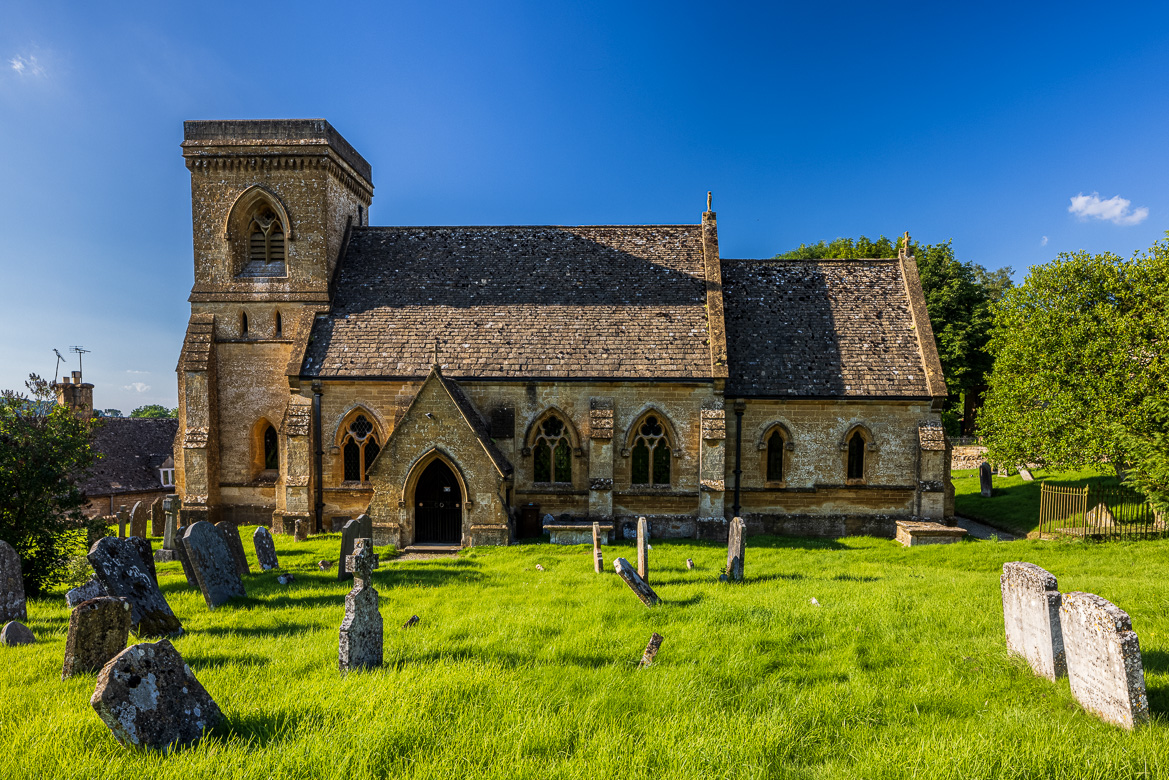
column 504, row 659
column 856, row 578
column 260, row 730
column 257, row 631
column 196, row 660
column 796, row 543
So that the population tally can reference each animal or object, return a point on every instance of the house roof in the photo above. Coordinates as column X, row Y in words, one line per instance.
column 821, row 328
column 526, row 302
column 132, row 451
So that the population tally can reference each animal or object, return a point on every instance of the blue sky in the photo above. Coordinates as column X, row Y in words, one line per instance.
column 808, row 121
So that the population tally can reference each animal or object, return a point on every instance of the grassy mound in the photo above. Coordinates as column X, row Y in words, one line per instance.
column 900, row 670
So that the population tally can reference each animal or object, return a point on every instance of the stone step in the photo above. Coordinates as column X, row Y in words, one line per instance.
column 433, row 549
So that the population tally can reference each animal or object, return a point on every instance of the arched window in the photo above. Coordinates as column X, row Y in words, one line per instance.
column 359, row 449
column 243, row 324
column 651, row 454
column 265, row 243
column 279, row 325
column 271, row 449
column 552, row 454
column 856, row 456
column 775, row 446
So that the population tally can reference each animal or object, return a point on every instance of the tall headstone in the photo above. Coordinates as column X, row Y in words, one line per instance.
column 1104, row 659
column 12, row 601
column 123, row 521
column 157, row 519
column 1031, row 604
column 139, row 520
column 635, row 582
column 598, row 556
column 642, row 552
column 213, row 563
column 360, row 645
column 265, row 549
column 984, row 474
column 117, row 565
column 736, row 549
column 98, row 630
column 359, row 528
column 236, row 545
column 150, row 699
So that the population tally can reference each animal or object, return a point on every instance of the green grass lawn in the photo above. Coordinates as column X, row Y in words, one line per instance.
column 900, row 671
column 1014, row 504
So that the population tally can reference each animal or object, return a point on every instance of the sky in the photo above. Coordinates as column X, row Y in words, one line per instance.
column 1017, row 130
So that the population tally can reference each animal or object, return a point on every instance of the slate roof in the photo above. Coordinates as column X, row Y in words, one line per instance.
column 820, row 328
column 524, row 302
column 132, row 451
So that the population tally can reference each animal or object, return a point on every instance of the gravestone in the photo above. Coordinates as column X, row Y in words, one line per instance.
column 213, row 564
column 547, row 520
column 1031, row 604
column 360, row 645
column 139, row 520
column 635, row 583
column 286, row 578
column 301, row 532
column 150, row 699
column 12, row 602
column 265, row 549
column 16, row 633
column 235, row 545
column 736, row 549
column 117, row 565
column 98, row 631
column 642, row 552
column 359, row 528
column 1103, row 659
column 598, row 556
column 92, row 589
column 146, row 553
column 171, row 543
column 157, row 519
column 984, row 474
column 1025, row 473
column 689, row 564
column 184, row 557
column 651, row 650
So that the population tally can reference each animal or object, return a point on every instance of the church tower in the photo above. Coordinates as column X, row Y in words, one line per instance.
column 272, row 205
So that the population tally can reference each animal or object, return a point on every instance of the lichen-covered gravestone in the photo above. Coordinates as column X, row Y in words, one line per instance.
column 265, row 549
column 118, row 566
column 213, row 564
column 150, row 699
column 642, row 551
column 1103, row 659
column 736, row 549
column 184, row 557
column 98, row 631
column 360, row 645
column 984, row 479
column 1031, row 604
column 157, row 518
column 170, row 530
column 92, row 589
column 146, row 553
column 139, row 520
column 236, row 545
column 12, row 602
column 635, row 583
column 359, row 528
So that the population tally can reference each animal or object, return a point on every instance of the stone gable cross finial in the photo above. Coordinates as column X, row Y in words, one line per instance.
column 436, row 353
column 363, row 561
column 709, row 200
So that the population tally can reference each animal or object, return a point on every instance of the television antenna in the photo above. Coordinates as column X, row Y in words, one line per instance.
column 80, row 351
column 60, row 357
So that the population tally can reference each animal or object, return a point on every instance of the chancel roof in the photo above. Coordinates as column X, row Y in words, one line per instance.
column 820, row 328
column 523, row 302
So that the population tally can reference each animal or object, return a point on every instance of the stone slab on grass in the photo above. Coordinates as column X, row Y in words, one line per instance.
column 1031, row 603
column 15, row 634
column 1103, row 659
column 913, row 533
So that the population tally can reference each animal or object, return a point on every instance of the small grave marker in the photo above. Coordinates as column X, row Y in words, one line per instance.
column 598, row 556
column 265, row 549
column 736, row 549
column 689, row 564
column 639, row 586
column 413, row 621
column 118, row 566
column 16, row 633
column 360, row 645
column 984, row 481
column 651, row 650
column 642, row 552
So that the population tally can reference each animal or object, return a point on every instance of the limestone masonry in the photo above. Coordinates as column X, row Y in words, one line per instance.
column 458, row 383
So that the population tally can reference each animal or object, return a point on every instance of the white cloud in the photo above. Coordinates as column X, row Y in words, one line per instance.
column 1043, row 242
column 26, row 66
column 137, row 387
column 1116, row 209
column 132, row 371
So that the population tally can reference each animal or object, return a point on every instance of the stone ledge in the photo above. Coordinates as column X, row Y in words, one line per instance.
column 577, row 533
column 915, row 532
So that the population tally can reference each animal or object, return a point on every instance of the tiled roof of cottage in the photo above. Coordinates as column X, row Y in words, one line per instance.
column 132, row 449
column 820, row 328
column 554, row 302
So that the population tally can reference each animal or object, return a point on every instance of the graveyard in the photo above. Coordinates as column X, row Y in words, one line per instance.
column 830, row 658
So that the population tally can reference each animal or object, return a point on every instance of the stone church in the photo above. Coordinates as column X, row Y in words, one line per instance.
column 458, row 384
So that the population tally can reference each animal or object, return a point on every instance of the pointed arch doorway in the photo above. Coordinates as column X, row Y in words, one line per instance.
column 438, row 506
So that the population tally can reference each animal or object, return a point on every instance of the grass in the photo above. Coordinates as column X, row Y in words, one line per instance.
column 900, row 671
column 1014, row 504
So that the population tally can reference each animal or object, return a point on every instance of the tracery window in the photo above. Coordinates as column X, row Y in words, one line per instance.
column 651, row 454
column 856, row 456
column 265, row 243
column 271, row 449
column 359, row 449
column 775, row 446
column 552, row 454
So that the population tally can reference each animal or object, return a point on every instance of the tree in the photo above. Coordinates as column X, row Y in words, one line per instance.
column 154, row 411
column 1147, row 455
column 1079, row 372
column 44, row 449
column 110, row 413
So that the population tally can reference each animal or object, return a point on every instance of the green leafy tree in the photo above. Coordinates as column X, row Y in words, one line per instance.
column 1147, row 455
column 44, row 449
column 154, row 411
column 1079, row 372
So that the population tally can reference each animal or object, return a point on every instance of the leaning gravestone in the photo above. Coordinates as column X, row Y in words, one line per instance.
column 635, row 583
column 139, row 520
column 359, row 528
column 12, row 602
column 213, row 564
column 117, row 565
column 150, row 699
column 265, row 549
column 146, row 553
column 98, row 630
column 651, row 650
column 984, row 482
column 1031, row 604
column 360, row 645
column 1025, row 473
column 236, row 545
column 1103, row 659
column 157, row 519
column 642, row 548
column 736, row 549
column 92, row 589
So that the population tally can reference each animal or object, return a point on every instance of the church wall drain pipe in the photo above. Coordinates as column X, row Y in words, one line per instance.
column 318, row 455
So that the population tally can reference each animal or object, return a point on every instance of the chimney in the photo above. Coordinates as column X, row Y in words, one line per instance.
column 75, row 394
